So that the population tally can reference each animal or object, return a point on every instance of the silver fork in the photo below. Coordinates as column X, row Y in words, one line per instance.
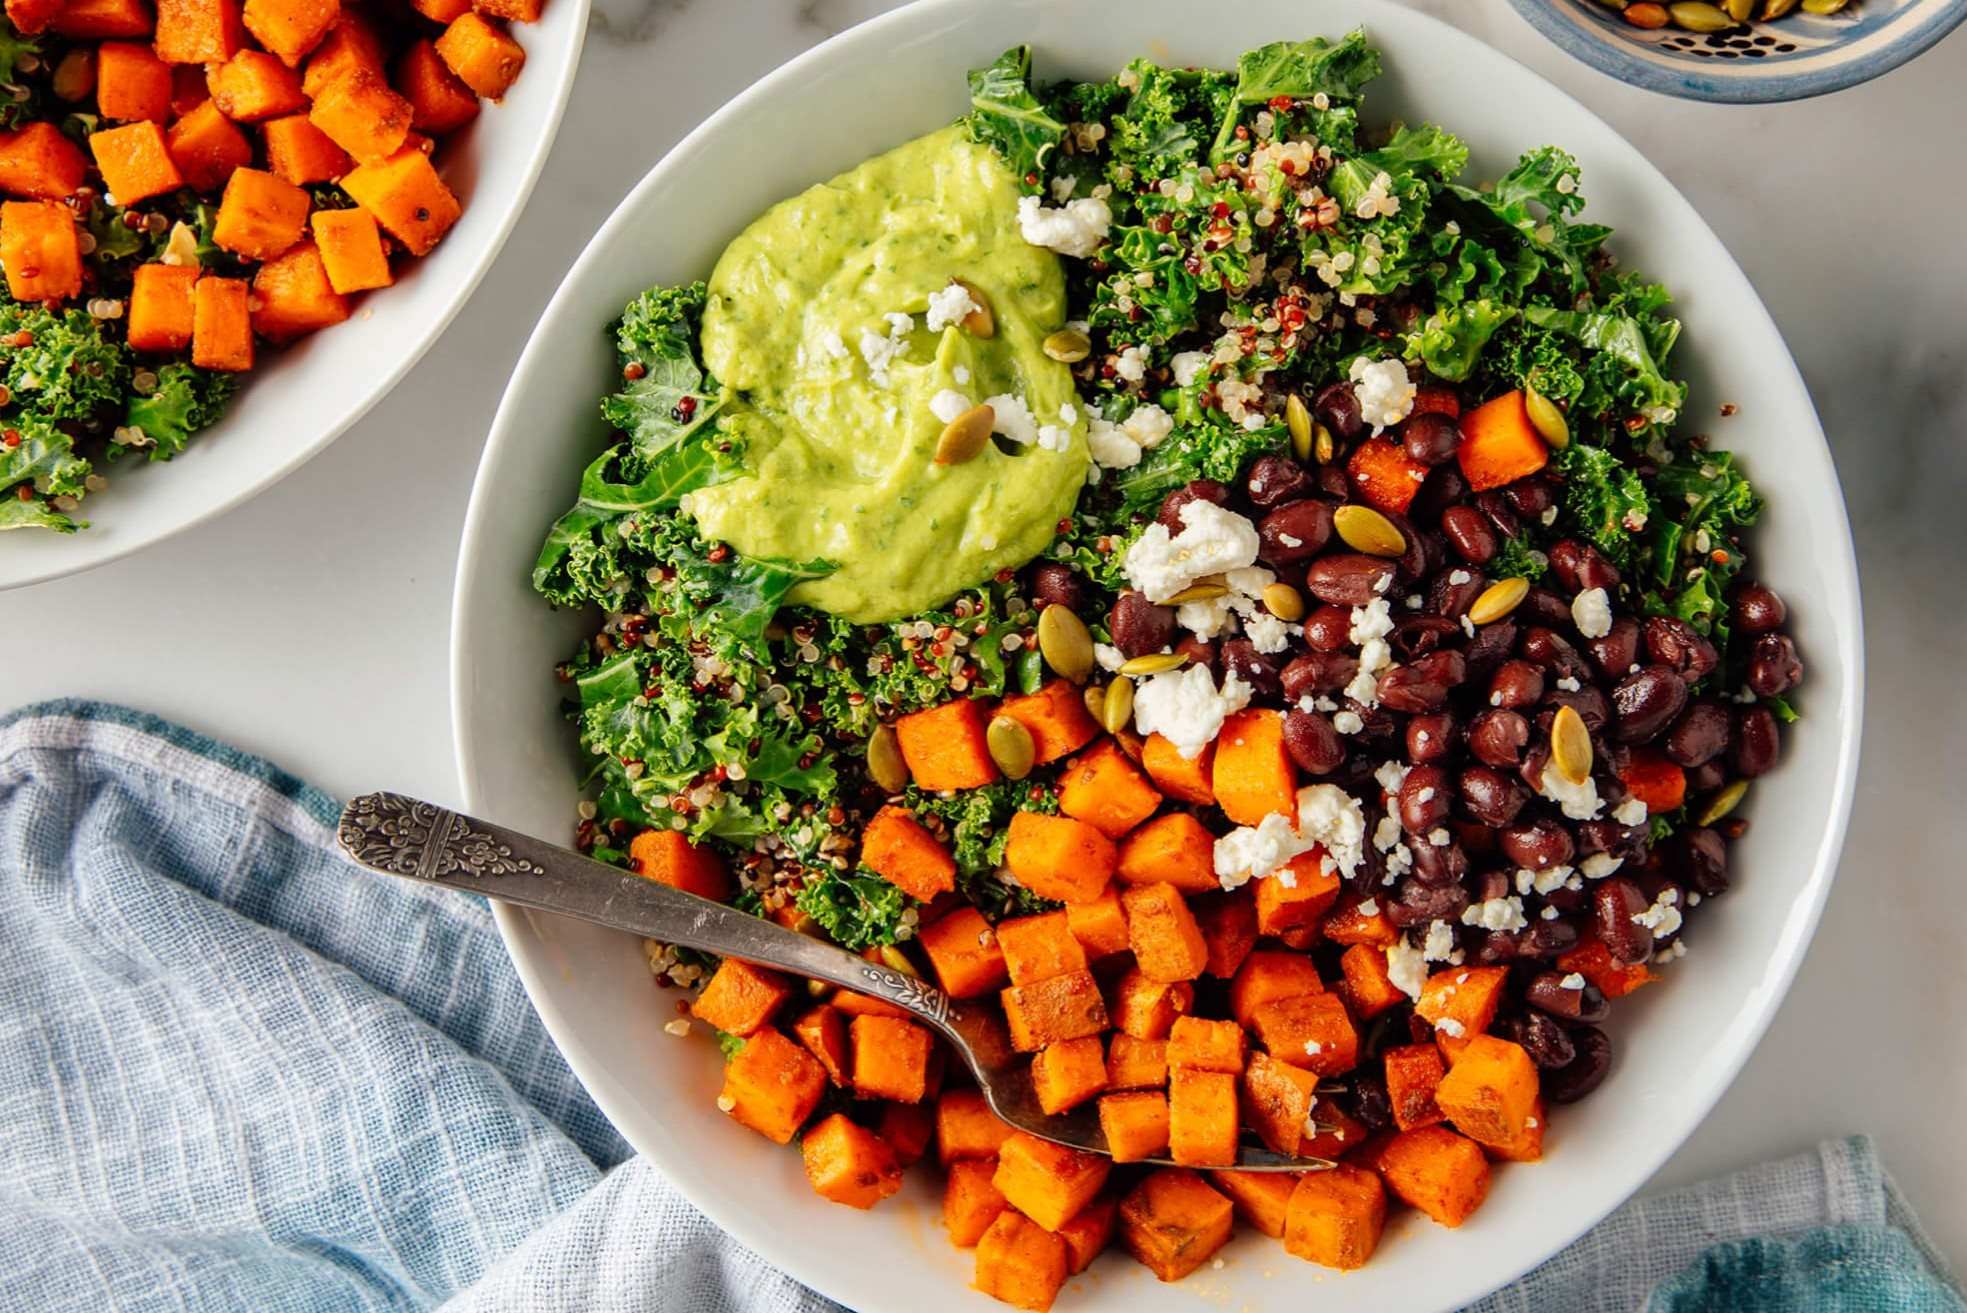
column 419, row 840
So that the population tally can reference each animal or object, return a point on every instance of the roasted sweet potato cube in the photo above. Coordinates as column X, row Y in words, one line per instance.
column 1489, row 1093
column 261, row 215
column 1173, row 849
column 848, row 1163
column 364, row 117
column 32, row 16
column 966, row 1127
column 900, row 849
column 134, row 162
column 1268, row 975
column 407, row 198
column 483, row 56
column 944, row 746
column 1185, row 779
column 1298, row 896
column 1253, row 776
column 1136, row 1064
column 970, row 1201
column 1206, row 1045
column 160, row 307
column 1048, row 1182
column 1277, row 1101
column 1056, row 718
column 1229, row 930
column 1413, row 1072
column 1262, row 1198
column 1060, row 858
column 221, row 324
column 1364, row 983
column 866, row 1005
column 351, row 248
column 351, row 46
column 1021, row 1263
column 1592, row 960
column 39, row 163
column 1527, row 1147
column 823, row 1030
column 441, row 12
column 1201, row 1117
column 1135, row 1123
column 1167, row 943
column 1460, row 1002
column 891, row 1059
column 666, row 857
column 198, row 31
column 1100, row 926
column 1437, row 1171
column 1173, row 1222
column 964, row 953
column 1335, row 1217
column 253, row 86
column 1039, row 947
column 741, row 998
column 439, row 101
column 1064, row 1007
column 293, row 295
column 291, row 28
column 207, row 147
column 132, row 83
column 772, row 1085
column 1066, row 1074
column 1089, row 1232
column 1310, row 1031
column 1356, row 920
column 96, row 20
column 1146, row 1008
column 908, row 1128
column 41, row 250
column 1107, row 791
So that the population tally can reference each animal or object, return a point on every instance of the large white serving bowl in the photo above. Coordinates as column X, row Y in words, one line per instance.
column 301, row 399
column 1679, row 1043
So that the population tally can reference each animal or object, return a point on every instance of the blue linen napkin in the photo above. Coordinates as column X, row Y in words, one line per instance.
column 236, row 1075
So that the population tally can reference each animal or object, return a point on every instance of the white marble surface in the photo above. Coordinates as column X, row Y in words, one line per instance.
column 312, row 625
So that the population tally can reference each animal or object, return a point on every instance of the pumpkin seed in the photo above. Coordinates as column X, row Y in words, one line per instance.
column 896, row 960
column 1366, row 530
column 1570, row 745
column 1498, row 600
column 1117, row 707
column 1773, row 9
column 1739, row 10
column 75, row 76
column 1064, row 642
column 980, row 322
column 1010, row 747
column 1068, row 346
column 1297, row 418
column 1202, row 592
column 965, row 436
column 1824, row 6
column 1547, row 419
column 885, row 765
column 1322, row 446
column 1723, row 803
column 1154, row 663
column 1095, row 697
column 817, row 988
column 1284, row 602
column 1699, row 16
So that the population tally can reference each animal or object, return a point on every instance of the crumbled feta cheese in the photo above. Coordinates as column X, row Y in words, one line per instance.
column 1313, row 1048
column 1013, row 418
column 1062, row 188
column 961, row 374
column 1541, row 882
column 881, row 350
column 1439, row 837
column 1569, row 683
column 1348, row 722
column 1332, row 818
column 947, row 404
column 1496, row 914
column 1185, row 707
column 1673, row 952
column 1440, row 943
column 1459, row 576
column 949, row 306
column 1053, row 438
column 1406, row 968
column 1212, row 540
column 1663, row 917
column 1266, row 633
column 1076, row 229
column 1386, row 394
column 1206, row 618
column 1111, row 448
column 1391, row 775
column 836, row 346
column 1188, row 366
column 1251, row 852
column 1578, row 801
column 1572, row 981
column 1387, row 833
column 1591, row 611
column 1147, row 424
column 1599, row 865
column 1630, row 812
column 1369, row 907
column 1450, row 1027
column 1110, row 658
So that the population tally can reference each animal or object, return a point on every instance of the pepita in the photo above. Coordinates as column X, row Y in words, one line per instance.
column 964, row 437
column 1739, row 10
column 1095, row 696
column 1154, row 663
column 885, row 765
column 817, row 988
column 1722, row 803
column 1498, row 600
column 1202, row 592
column 1824, row 6
column 1117, row 707
column 1068, row 346
column 1322, row 446
column 1570, row 745
column 1547, row 419
column 1010, row 747
column 1064, row 642
column 1773, row 9
column 1699, row 16
column 896, row 960
column 1297, row 418
column 1284, row 602
column 980, row 322
column 1366, row 530
column 75, row 76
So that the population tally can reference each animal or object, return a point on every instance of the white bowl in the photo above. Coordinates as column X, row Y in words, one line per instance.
column 303, row 398
column 1679, row 1043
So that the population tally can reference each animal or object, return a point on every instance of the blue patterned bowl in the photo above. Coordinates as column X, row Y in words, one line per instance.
column 1796, row 56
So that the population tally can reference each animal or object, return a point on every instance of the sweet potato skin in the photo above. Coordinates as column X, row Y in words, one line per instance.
column 1173, row 1222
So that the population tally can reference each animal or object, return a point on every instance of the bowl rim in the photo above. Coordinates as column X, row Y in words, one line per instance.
column 1772, row 87
column 477, row 557
column 90, row 550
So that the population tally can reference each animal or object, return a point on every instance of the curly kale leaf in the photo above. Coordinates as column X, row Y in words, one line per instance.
column 741, row 594
column 1006, row 116
column 1534, row 201
column 1704, row 500
column 584, row 557
column 1298, row 70
column 672, row 400
column 1214, row 449
column 857, row 909
column 1518, row 558
column 1159, row 132
column 1620, row 341
column 69, row 371
column 185, row 400
column 34, row 514
column 44, row 458
column 1606, row 496
column 1450, row 340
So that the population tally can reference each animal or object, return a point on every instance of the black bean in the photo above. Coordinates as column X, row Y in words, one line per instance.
column 1773, row 666
column 1536, row 844
column 1491, row 645
column 1541, row 606
column 1370, row 1102
column 1138, row 626
column 1257, row 669
column 1469, row 534
column 1348, row 578
column 1418, row 903
column 1615, row 902
column 1328, row 629
column 1331, row 483
column 1497, row 738
column 1422, row 685
column 1516, row 684
column 1318, row 672
column 1053, row 584
column 1337, row 408
column 1490, row 796
column 1709, row 776
column 1672, row 642
column 1444, row 487
column 1446, row 597
column 1418, row 635
column 1491, row 885
column 1530, row 497
column 1547, row 993
column 1430, row 737
column 1702, row 860
column 1430, row 438
column 1195, row 490
column 1423, row 552
column 1423, row 801
column 1439, row 864
column 1578, row 566
column 1756, row 741
column 1627, row 842
column 1616, row 651
column 1274, row 480
column 1586, row 1072
column 1313, row 743
column 1645, row 703
column 1700, row 735
column 1199, row 651
column 1548, row 1044
column 1553, row 652
column 1588, row 702
column 1295, row 531
column 1495, row 509
column 1758, row 610
column 1548, row 938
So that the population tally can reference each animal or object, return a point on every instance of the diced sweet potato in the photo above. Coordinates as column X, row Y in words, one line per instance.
column 351, row 247
column 1021, row 1263
column 1350, row 923
column 970, row 1202
column 1364, row 984
column 907, row 1128
column 39, row 163
column 291, row 28
column 1146, row 1008
column 132, row 83
column 741, row 998
column 483, row 56
column 966, row 1127
column 1039, row 947
column 1335, row 1217
column 1067, row 1074
column 1056, row 718
column 1185, row 779
column 1297, row 897
column 407, row 198
column 160, row 307
column 1592, row 960
column 1268, row 975
column 351, row 46
column 1173, row 849
column 1136, row 1064
column 1465, row 998
column 1201, row 1117
column 848, row 1163
column 1064, row 1007
column 1276, row 1101
column 1527, row 1147
column 293, row 295
column 1413, row 1073
column 1167, row 942
column 198, row 31
column 221, row 324
column 1206, row 1045
column 40, row 250
column 207, row 147
column 1060, row 858
column 1262, row 1198
column 771, row 1085
column 1437, row 1171
column 1089, row 1232
column 1173, row 1222
column 1384, row 475
column 1253, row 776
column 32, row 16
column 134, row 162
column 823, row 1030
column 666, row 857
column 900, row 849
column 1103, row 788
column 963, row 950
column 439, row 101
column 891, row 1059
column 866, row 1005
column 1310, row 1031
column 1135, row 1123
column 365, row 118
column 944, row 746
column 1229, row 928
column 253, row 86
column 1100, row 926
column 1499, row 443
column 99, row 20
column 1048, row 1182
column 1490, row 1091
column 441, row 12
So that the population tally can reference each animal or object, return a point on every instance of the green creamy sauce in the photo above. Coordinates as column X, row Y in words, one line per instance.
column 839, row 466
